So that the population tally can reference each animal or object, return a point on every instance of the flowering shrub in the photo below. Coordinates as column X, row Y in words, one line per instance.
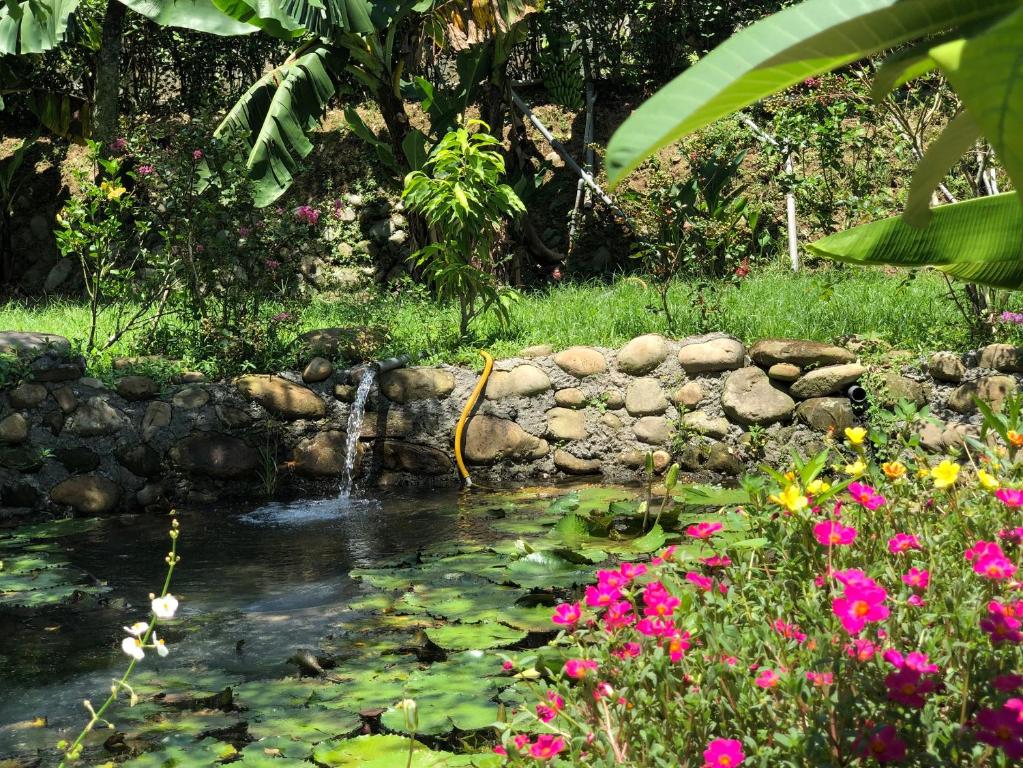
column 871, row 616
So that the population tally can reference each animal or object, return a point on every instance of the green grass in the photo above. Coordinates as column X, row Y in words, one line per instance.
column 825, row 305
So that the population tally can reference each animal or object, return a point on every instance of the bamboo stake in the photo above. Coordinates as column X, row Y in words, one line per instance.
column 790, row 198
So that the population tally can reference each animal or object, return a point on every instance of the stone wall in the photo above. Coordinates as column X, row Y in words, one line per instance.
column 72, row 442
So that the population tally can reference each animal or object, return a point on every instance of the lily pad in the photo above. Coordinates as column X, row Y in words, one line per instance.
column 463, row 637
column 182, row 752
column 277, row 747
column 543, row 570
column 310, row 724
column 384, row 752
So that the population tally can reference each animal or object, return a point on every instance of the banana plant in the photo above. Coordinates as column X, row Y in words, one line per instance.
column 976, row 44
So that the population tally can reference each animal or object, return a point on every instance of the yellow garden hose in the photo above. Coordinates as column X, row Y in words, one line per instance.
column 488, row 366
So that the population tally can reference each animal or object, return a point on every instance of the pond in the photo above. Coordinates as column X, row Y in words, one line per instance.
column 406, row 595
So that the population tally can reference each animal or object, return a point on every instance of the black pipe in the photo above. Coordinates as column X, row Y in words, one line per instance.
column 391, row 363
column 857, row 394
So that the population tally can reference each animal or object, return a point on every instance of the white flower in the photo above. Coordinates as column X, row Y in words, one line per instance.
column 138, row 628
column 160, row 646
column 165, row 607
column 133, row 647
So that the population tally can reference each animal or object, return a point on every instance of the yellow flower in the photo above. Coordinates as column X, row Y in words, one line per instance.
column 923, row 472
column 1015, row 438
column 855, row 469
column 987, row 482
column 894, row 469
column 790, row 476
column 112, row 191
column 817, row 487
column 945, row 474
column 855, row 435
column 791, row 498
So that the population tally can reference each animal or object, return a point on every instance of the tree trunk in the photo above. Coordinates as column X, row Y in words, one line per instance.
column 107, row 94
column 392, row 109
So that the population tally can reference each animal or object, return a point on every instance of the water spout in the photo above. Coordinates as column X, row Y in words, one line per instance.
column 354, row 428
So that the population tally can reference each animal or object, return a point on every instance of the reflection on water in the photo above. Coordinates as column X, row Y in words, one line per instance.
column 254, row 585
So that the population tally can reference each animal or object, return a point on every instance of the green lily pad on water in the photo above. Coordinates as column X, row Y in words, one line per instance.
column 543, row 570
column 464, row 637
column 277, row 747
column 311, row 724
column 183, row 752
column 392, row 752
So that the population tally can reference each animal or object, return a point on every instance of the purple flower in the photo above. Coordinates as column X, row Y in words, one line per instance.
column 1012, row 317
column 272, row 264
column 308, row 214
column 145, row 170
column 197, row 154
column 244, row 231
column 119, row 145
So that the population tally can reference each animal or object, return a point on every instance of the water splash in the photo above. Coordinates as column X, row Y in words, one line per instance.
column 355, row 416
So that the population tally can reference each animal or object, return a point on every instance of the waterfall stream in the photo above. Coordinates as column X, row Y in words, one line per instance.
column 355, row 416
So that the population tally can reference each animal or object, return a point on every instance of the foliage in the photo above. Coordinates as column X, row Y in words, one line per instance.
column 460, row 195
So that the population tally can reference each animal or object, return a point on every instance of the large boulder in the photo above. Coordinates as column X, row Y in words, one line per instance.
column 191, row 397
column 895, row 387
column 29, row 345
column 13, row 429
column 748, row 398
column 322, row 455
column 710, row 456
column 354, row 343
column 993, row 390
column 644, row 397
column 139, row 459
column 520, row 381
column 711, row 353
column 27, row 395
column 573, row 465
column 215, row 454
column 689, row 395
column 394, row 422
column 581, row 361
column 157, row 416
column 642, row 355
column 489, row 440
column 799, row 352
column 77, row 459
column 946, row 366
column 703, row 423
column 566, row 424
column 1002, row 357
column 417, row 459
column 137, row 388
column 318, row 369
column 406, row 385
column 88, row 494
column 653, row 430
column 96, row 417
column 282, row 397
column 826, row 413
column 825, row 381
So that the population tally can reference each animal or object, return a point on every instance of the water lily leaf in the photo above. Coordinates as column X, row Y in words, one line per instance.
column 543, row 570
column 258, row 695
column 711, row 496
column 310, row 724
column 383, row 752
column 182, row 752
column 488, row 634
column 277, row 747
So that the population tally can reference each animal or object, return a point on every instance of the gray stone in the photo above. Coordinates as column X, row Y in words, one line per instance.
column 799, row 352
column 190, row 397
column 52, row 368
column 89, row 494
column 23, row 458
column 566, row 424
column 96, row 417
column 192, row 377
column 946, row 366
column 822, row 382
column 489, row 440
column 231, row 417
column 322, row 455
column 1002, row 357
column 282, row 397
column 139, row 459
column 637, row 459
column 31, row 345
column 318, row 369
column 26, row 396
column 784, row 372
column 614, row 400
column 611, row 421
column 55, row 421
column 581, row 361
column 573, row 465
column 520, row 381
column 645, row 397
column 991, row 389
column 573, row 397
column 826, row 413
column 407, row 385
column 394, row 422
column 77, row 459
column 92, row 383
column 157, row 416
column 711, row 353
column 137, row 388
column 652, row 430
column 642, row 355
column 537, row 350
column 150, row 494
column 416, row 459
column 689, row 395
column 748, row 398
column 345, row 393
column 216, row 455
column 712, row 456
column 66, row 400
column 894, row 388
column 705, row 424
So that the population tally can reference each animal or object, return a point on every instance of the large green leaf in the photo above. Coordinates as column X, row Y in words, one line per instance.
column 781, row 50
column 980, row 241
column 275, row 114
column 200, row 15
column 987, row 72
column 33, row 26
column 952, row 144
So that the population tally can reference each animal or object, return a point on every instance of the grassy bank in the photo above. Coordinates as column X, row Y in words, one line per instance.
column 826, row 305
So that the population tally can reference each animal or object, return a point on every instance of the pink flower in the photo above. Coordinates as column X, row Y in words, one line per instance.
column 1010, row 497
column 820, row 679
column 547, row 712
column 677, row 647
column 903, row 542
column 628, row 651
column 618, row 614
column 859, row 605
column 499, row 750
column 701, row 582
column 665, row 556
column 884, row 745
column 909, row 688
column 865, row 496
column 197, row 154
column 789, row 631
column 723, row 753
column 119, row 144
column 521, row 740
column 915, row 600
column 547, row 746
column 567, row 614
column 916, row 661
column 507, row 666
column 1007, row 683
column 272, row 264
column 852, row 577
column 611, row 579
column 307, row 214
column 579, row 668
column 658, row 601
column 832, row 533
column 630, row 571
column 145, row 170
column 703, row 530
column 716, row 561
column 656, row 627
column 1001, row 624
column 1001, row 728
column 990, row 561
column 916, row 578
column 244, row 231
column 1014, row 535
column 601, row 595
column 861, row 649
column 767, row 678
